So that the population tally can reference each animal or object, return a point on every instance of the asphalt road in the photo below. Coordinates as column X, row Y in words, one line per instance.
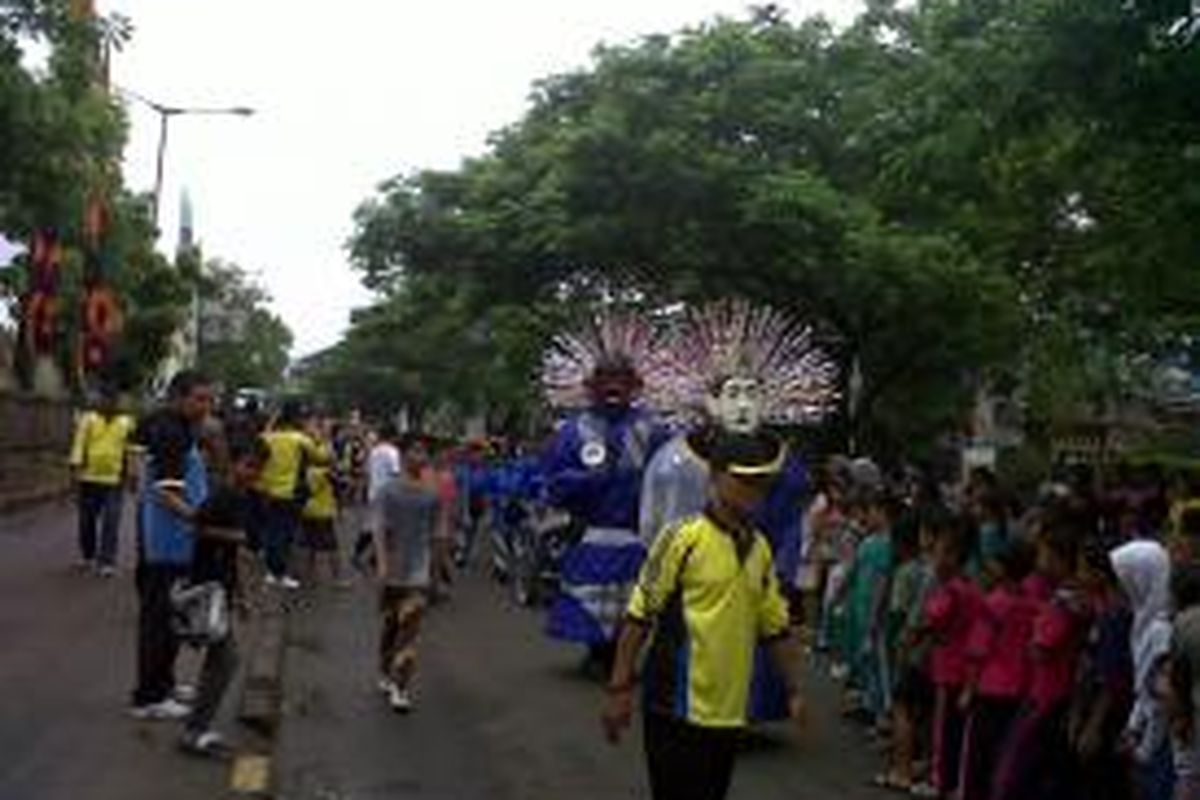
column 503, row 713
column 66, row 670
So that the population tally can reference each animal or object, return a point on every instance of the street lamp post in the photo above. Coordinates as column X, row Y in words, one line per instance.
column 165, row 113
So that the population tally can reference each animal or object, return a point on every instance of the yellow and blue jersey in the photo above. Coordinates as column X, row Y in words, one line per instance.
column 711, row 603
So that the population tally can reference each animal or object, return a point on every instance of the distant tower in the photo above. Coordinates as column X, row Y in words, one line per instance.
column 188, row 249
column 183, row 351
column 187, row 226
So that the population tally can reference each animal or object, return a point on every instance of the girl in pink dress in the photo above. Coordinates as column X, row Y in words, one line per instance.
column 1035, row 762
column 997, row 668
column 950, row 612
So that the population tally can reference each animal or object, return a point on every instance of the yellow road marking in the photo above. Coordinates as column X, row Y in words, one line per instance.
column 251, row 775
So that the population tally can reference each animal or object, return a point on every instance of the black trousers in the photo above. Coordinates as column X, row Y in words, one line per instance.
column 157, row 644
column 220, row 665
column 987, row 729
column 99, row 522
column 688, row 762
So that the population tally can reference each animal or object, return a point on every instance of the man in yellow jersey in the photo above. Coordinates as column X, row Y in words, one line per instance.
column 284, row 488
column 319, row 518
column 706, row 596
column 98, row 462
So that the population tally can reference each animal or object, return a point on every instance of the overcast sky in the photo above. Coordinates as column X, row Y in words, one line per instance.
column 347, row 96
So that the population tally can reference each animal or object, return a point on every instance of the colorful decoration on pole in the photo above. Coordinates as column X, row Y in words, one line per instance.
column 99, row 306
column 40, row 313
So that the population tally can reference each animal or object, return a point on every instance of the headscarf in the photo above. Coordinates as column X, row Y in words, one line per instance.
column 1144, row 570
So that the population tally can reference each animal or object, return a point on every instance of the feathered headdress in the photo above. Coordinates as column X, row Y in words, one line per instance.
column 733, row 338
column 605, row 339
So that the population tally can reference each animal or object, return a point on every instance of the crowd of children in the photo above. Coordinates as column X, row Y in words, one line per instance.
column 997, row 653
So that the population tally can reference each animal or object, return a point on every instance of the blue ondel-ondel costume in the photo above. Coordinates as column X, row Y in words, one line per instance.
column 593, row 469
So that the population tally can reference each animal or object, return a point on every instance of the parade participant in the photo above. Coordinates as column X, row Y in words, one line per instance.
column 319, row 518
column 734, row 368
column 472, row 480
column 706, row 595
column 383, row 466
column 176, row 483
column 594, row 471
column 284, row 487
column 98, row 464
column 405, row 521
column 444, row 483
column 221, row 530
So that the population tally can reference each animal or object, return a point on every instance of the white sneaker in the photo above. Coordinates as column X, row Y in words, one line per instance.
column 271, row 580
column 399, row 700
column 185, row 693
column 208, row 744
column 288, row 582
column 169, row 709
column 106, row 571
column 386, row 685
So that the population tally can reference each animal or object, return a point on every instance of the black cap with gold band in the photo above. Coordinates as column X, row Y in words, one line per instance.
column 760, row 455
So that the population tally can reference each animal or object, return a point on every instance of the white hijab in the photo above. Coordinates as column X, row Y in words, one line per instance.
column 1144, row 569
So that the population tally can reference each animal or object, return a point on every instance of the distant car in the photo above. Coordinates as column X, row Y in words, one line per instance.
column 250, row 398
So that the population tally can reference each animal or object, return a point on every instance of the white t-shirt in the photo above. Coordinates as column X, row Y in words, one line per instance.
column 383, row 465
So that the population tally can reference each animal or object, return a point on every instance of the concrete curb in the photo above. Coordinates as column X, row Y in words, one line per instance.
column 11, row 502
column 253, row 770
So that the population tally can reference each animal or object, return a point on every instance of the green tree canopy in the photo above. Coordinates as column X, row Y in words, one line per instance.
column 949, row 193
column 242, row 342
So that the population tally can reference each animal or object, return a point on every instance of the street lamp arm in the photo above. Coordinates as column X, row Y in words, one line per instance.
column 238, row 111
column 141, row 98
column 176, row 111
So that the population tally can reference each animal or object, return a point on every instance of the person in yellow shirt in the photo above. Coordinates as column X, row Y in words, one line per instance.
column 319, row 518
column 706, row 596
column 284, row 488
column 98, row 464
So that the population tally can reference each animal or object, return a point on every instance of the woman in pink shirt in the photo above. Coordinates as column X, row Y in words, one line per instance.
column 950, row 612
column 1036, row 763
column 998, row 668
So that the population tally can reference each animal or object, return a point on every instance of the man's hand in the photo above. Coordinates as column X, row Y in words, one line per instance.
column 618, row 713
column 966, row 697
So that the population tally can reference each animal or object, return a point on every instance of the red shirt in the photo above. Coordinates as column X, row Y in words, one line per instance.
column 1059, row 630
column 950, row 612
column 1037, row 587
column 999, row 642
